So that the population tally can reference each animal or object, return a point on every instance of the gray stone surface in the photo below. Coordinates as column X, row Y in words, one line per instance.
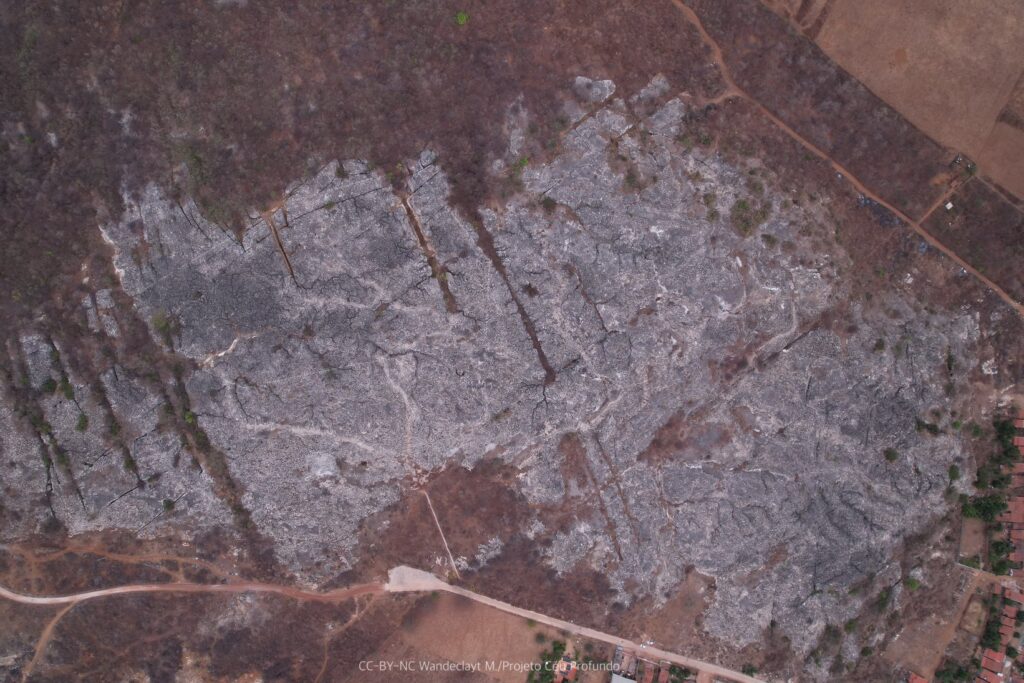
column 331, row 394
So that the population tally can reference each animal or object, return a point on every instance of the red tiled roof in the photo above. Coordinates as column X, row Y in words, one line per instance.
column 989, row 677
column 993, row 654
column 914, row 678
column 1018, row 441
column 1015, row 596
column 1010, row 611
column 1014, row 512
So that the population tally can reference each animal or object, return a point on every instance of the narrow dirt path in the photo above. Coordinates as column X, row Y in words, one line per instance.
column 716, row 51
column 43, row 641
column 444, row 540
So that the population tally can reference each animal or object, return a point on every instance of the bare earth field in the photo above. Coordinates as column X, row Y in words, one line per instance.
column 949, row 67
column 453, row 629
column 987, row 230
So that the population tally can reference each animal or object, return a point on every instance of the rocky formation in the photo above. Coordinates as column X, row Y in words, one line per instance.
column 684, row 319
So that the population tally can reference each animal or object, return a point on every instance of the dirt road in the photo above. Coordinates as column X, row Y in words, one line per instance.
column 407, row 579
column 400, row 580
column 916, row 225
column 297, row 593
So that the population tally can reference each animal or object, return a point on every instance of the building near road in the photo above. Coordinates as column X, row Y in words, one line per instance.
column 627, row 667
column 566, row 670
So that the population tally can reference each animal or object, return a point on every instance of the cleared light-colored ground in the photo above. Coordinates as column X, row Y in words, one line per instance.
column 456, row 629
column 972, row 538
column 922, row 643
column 949, row 67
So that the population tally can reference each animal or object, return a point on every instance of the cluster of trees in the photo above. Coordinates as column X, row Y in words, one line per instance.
column 957, row 673
column 985, row 507
column 990, row 638
column 991, row 476
column 997, row 556
column 548, row 659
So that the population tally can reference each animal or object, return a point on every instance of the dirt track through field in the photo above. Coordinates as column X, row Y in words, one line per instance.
column 407, row 579
column 242, row 587
column 400, row 580
column 915, row 225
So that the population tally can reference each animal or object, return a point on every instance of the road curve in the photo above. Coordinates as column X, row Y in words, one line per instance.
column 400, row 580
column 330, row 596
column 406, row 579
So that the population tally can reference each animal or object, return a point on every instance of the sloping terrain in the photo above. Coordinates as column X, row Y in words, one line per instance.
column 658, row 339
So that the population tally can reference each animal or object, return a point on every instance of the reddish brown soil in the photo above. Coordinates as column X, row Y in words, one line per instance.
column 521, row 576
column 275, row 638
column 986, row 230
column 60, row 565
column 472, row 506
column 945, row 67
column 798, row 83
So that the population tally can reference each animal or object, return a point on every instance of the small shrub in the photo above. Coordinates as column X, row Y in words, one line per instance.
column 746, row 218
column 879, row 345
column 954, row 473
column 891, row 454
column 49, row 386
column 165, row 326
column 850, row 626
column 549, row 204
column 911, row 583
column 461, row 18
column 83, row 422
column 749, row 670
column 168, row 504
column 67, row 389
column 61, row 454
column 128, row 462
